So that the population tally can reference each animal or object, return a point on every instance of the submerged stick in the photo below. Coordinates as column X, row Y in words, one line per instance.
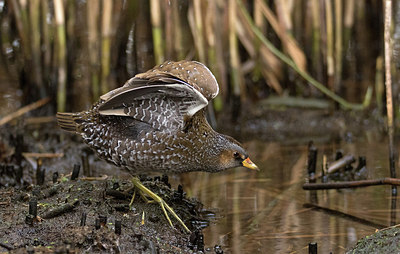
column 338, row 164
column 343, row 215
column 23, row 110
column 312, row 160
column 313, row 248
column 352, row 184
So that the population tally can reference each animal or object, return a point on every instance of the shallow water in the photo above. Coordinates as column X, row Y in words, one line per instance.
column 267, row 211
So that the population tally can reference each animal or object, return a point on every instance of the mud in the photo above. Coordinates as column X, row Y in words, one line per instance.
column 81, row 215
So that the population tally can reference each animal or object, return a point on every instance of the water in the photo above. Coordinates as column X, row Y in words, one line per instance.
column 269, row 212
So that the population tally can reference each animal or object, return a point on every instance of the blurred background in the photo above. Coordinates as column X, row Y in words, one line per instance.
column 74, row 50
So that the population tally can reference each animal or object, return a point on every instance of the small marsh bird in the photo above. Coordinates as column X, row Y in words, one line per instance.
column 156, row 123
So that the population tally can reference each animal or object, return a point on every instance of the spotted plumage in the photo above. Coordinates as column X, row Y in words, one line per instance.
column 156, row 123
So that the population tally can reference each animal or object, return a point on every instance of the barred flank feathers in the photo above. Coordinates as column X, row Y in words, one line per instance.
column 67, row 121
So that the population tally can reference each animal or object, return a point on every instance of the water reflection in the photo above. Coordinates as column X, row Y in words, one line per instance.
column 269, row 212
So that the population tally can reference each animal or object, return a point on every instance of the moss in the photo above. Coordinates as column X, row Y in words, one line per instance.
column 383, row 241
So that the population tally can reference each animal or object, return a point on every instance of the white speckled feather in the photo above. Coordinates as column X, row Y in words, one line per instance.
column 164, row 106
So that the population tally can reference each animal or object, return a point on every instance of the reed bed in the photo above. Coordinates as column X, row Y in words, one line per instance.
column 73, row 51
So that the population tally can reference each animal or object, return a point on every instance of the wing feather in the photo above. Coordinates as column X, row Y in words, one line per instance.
column 164, row 103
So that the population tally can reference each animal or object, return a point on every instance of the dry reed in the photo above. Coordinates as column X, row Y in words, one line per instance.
column 239, row 48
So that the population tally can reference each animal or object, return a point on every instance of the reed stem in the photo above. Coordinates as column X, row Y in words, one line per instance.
column 35, row 34
column 234, row 50
column 61, row 57
column 379, row 83
column 106, row 45
column 93, row 10
column 316, row 39
column 388, row 83
column 155, row 11
column 199, row 30
column 330, row 62
column 338, row 45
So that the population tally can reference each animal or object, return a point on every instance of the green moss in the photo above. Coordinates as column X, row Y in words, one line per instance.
column 383, row 241
column 44, row 205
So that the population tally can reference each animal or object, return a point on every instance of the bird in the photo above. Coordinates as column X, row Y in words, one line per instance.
column 156, row 122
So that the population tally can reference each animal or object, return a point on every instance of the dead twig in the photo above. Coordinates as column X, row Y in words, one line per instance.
column 24, row 110
column 60, row 210
column 6, row 246
column 43, row 155
column 40, row 119
column 92, row 178
column 352, row 184
column 118, row 194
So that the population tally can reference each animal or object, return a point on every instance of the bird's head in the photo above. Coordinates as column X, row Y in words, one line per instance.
column 229, row 153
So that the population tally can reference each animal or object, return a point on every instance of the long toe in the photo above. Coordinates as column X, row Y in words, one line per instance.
column 164, row 206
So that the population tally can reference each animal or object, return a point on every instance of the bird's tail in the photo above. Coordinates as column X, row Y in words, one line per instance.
column 68, row 121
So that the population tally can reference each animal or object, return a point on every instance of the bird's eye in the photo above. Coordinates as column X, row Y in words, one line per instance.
column 236, row 155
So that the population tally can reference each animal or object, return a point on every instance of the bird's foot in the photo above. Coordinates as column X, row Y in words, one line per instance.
column 143, row 190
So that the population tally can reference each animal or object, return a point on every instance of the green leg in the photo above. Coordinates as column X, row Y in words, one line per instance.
column 145, row 191
column 133, row 198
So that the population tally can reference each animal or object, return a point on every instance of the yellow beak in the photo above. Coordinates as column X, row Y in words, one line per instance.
column 249, row 164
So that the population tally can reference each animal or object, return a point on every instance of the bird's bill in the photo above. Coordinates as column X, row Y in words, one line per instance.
column 249, row 164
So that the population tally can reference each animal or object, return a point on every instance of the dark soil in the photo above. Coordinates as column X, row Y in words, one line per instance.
column 62, row 207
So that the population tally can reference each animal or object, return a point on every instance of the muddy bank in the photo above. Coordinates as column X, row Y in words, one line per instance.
column 94, row 216
column 383, row 241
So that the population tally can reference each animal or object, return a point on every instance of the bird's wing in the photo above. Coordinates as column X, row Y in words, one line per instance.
column 163, row 103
